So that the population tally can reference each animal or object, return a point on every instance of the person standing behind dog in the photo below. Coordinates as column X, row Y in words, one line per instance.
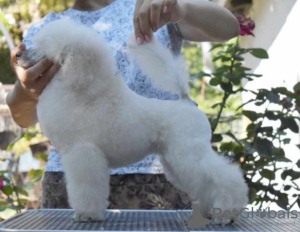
column 141, row 185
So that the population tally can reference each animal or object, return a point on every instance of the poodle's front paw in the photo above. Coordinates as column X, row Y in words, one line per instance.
column 80, row 217
column 220, row 220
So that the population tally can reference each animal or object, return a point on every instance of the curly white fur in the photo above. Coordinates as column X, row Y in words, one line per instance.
column 88, row 114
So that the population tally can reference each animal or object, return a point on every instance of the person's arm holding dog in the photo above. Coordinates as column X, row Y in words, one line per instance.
column 196, row 19
column 22, row 100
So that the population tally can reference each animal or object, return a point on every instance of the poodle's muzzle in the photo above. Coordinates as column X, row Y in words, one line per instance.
column 28, row 58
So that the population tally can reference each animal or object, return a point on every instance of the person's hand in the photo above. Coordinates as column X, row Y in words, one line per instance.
column 34, row 79
column 150, row 15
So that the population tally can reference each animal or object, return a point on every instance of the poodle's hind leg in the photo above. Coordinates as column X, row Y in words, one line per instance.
column 87, row 180
column 207, row 177
column 182, row 165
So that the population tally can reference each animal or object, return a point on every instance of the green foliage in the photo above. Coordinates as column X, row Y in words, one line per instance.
column 7, row 75
column 200, row 91
column 260, row 152
column 14, row 189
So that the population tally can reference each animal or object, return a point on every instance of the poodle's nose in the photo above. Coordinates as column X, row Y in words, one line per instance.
column 18, row 55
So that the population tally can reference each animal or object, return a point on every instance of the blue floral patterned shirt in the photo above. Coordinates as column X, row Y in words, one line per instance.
column 114, row 23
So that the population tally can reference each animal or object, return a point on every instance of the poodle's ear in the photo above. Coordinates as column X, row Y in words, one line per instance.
column 84, row 66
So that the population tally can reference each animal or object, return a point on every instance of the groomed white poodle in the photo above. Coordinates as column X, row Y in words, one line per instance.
column 89, row 114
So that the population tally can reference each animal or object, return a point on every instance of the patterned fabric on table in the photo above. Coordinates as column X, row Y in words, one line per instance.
column 131, row 191
column 114, row 23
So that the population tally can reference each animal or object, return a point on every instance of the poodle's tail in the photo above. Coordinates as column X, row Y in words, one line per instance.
column 165, row 70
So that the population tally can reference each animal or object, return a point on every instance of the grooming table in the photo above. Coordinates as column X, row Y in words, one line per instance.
column 139, row 220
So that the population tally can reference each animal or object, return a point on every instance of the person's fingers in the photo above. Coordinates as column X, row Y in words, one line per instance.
column 172, row 12
column 35, row 71
column 163, row 20
column 47, row 76
column 136, row 22
column 144, row 18
column 168, row 5
column 13, row 59
column 155, row 11
column 137, row 31
column 166, row 12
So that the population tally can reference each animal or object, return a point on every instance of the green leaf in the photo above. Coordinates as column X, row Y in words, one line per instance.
column 239, row 58
column 284, row 91
column 263, row 161
column 224, row 59
column 42, row 157
column 231, row 76
column 297, row 87
column 253, row 116
column 216, row 138
column 289, row 123
column 271, row 115
column 283, row 200
column 287, row 187
column 220, row 53
column 298, row 163
column 226, row 86
column 262, row 93
column 248, row 167
column 279, row 155
column 263, row 146
column 241, row 68
column 7, row 190
column 218, row 45
column 281, row 90
column 259, row 103
column 273, row 97
column 253, row 75
column 259, row 53
column 217, row 58
column 266, row 129
column 214, row 81
column 270, row 175
column 30, row 135
column 35, row 175
column 227, row 146
column 21, row 191
column 16, row 207
column 10, row 147
column 252, row 194
column 252, row 100
column 217, row 104
column 286, row 141
column 291, row 173
column 200, row 75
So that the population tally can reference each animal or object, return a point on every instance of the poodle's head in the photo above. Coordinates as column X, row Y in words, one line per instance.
column 28, row 57
column 78, row 49
column 60, row 40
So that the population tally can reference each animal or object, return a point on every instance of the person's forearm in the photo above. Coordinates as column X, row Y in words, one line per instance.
column 22, row 106
column 207, row 21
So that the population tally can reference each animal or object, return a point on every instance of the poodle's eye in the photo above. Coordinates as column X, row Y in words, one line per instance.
column 19, row 54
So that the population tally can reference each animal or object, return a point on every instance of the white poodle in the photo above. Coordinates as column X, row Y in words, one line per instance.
column 97, row 123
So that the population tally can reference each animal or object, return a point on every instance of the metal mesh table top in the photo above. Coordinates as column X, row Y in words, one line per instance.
column 140, row 220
